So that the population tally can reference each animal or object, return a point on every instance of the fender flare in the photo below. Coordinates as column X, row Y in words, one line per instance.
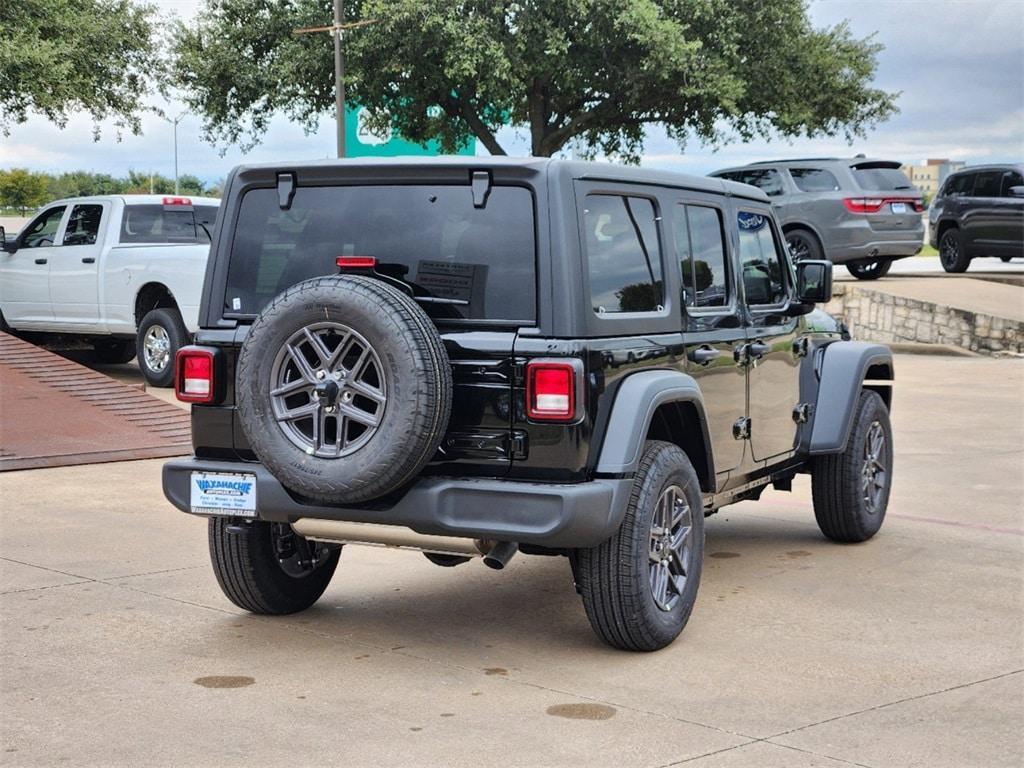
column 844, row 367
column 637, row 400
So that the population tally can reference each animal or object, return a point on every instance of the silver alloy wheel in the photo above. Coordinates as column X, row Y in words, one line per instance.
column 156, row 348
column 874, row 474
column 328, row 391
column 671, row 547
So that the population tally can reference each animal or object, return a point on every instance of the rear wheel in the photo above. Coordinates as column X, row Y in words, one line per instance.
column 268, row 568
column 113, row 351
column 161, row 334
column 870, row 270
column 803, row 245
column 639, row 586
column 951, row 251
column 851, row 489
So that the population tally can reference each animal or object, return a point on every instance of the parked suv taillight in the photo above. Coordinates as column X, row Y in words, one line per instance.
column 875, row 204
column 553, row 390
column 194, row 375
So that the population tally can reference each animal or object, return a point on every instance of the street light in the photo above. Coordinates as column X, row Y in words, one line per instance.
column 175, row 122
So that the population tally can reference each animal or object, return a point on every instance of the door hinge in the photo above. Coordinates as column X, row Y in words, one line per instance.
column 802, row 413
column 741, row 429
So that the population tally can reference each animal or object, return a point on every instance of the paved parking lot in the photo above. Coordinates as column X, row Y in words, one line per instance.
column 118, row 648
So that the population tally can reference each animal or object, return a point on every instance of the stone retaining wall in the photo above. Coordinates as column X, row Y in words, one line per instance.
column 877, row 316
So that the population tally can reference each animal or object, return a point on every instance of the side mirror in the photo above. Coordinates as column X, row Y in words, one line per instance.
column 5, row 247
column 1016, row 191
column 813, row 281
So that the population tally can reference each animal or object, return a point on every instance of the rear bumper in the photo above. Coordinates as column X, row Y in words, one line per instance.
column 878, row 249
column 856, row 240
column 550, row 515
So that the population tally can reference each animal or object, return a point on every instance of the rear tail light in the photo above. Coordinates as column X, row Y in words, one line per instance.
column 875, row 204
column 552, row 389
column 357, row 262
column 194, row 375
column 177, row 201
column 919, row 206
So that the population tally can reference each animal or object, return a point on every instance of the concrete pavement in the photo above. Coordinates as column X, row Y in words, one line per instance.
column 118, row 648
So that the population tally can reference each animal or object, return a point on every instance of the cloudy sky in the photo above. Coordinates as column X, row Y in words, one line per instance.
column 958, row 63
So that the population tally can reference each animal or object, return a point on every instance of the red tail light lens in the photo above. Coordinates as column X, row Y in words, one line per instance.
column 357, row 262
column 194, row 375
column 551, row 390
column 177, row 201
column 863, row 204
column 918, row 206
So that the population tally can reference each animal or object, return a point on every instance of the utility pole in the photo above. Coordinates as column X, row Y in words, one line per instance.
column 337, row 30
column 174, row 122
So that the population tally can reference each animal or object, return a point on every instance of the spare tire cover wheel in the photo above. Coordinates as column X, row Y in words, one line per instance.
column 344, row 388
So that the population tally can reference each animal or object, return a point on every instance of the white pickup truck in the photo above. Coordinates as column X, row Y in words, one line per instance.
column 124, row 272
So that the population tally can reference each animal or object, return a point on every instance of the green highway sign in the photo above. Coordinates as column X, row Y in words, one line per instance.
column 360, row 141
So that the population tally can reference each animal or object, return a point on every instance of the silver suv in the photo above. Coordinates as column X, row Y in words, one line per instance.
column 858, row 212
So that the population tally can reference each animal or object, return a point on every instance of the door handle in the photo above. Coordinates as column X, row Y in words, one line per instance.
column 704, row 354
column 40, row 261
column 88, row 260
column 757, row 349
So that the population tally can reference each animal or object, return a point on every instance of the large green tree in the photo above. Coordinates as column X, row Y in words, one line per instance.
column 58, row 57
column 600, row 71
column 22, row 190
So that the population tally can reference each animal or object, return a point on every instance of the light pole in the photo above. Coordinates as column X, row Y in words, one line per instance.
column 174, row 123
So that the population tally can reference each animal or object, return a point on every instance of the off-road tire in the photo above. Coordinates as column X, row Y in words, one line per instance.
column 418, row 382
column 837, row 480
column 170, row 320
column 614, row 577
column 250, row 576
column 804, row 245
column 951, row 252
column 871, row 270
column 113, row 351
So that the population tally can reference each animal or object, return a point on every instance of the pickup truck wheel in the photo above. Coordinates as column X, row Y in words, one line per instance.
column 113, row 351
column 851, row 489
column 640, row 585
column 161, row 334
column 268, row 568
column 348, row 388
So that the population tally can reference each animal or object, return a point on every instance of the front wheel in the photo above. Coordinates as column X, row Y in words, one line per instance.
column 851, row 489
column 951, row 252
column 639, row 586
column 161, row 334
column 870, row 270
column 268, row 568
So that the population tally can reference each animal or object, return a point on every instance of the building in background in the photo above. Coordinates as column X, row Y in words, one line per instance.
column 929, row 177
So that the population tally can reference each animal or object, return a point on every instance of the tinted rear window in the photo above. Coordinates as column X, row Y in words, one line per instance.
column 880, row 177
column 814, row 179
column 766, row 179
column 167, row 224
column 478, row 263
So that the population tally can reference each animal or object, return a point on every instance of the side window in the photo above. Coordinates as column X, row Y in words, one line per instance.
column 814, row 179
column 700, row 247
column 766, row 179
column 1011, row 179
column 41, row 232
column 987, row 184
column 762, row 260
column 961, row 185
column 623, row 254
column 83, row 225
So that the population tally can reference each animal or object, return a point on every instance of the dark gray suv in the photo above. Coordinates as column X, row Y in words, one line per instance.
column 858, row 212
column 979, row 212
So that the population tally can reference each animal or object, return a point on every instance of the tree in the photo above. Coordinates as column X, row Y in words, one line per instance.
column 600, row 71
column 22, row 189
column 57, row 58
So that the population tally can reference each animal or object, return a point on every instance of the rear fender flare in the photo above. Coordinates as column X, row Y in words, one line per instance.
column 844, row 367
column 636, row 402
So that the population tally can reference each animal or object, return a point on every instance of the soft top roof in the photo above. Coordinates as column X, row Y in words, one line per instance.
column 538, row 165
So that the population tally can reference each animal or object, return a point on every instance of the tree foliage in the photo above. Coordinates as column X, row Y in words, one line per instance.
column 599, row 71
column 59, row 57
column 22, row 190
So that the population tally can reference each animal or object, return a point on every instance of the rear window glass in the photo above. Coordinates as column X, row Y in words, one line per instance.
column 623, row 254
column 879, row 178
column 766, row 179
column 167, row 224
column 987, row 184
column 700, row 246
column 462, row 262
column 814, row 179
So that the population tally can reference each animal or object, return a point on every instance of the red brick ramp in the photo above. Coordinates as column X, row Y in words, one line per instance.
column 56, row 413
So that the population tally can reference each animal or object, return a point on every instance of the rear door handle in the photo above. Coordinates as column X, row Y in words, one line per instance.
column 88, row 260
column 757, row 349
column 40, row 261
column 704, row 354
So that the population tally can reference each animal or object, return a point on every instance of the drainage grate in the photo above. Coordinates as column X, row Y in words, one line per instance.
column 54, row 413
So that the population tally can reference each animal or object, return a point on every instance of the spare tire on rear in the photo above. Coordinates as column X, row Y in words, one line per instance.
column 343, row 388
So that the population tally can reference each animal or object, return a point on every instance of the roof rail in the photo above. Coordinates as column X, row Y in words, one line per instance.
column 796, row 160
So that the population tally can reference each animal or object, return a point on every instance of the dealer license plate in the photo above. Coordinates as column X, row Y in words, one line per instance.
column 220, row 493
column 899, row 207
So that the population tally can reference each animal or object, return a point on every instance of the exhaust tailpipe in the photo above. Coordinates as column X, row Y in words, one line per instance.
column 499, row 555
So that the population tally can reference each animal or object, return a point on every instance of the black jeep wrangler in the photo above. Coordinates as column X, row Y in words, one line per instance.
column 474, row 356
